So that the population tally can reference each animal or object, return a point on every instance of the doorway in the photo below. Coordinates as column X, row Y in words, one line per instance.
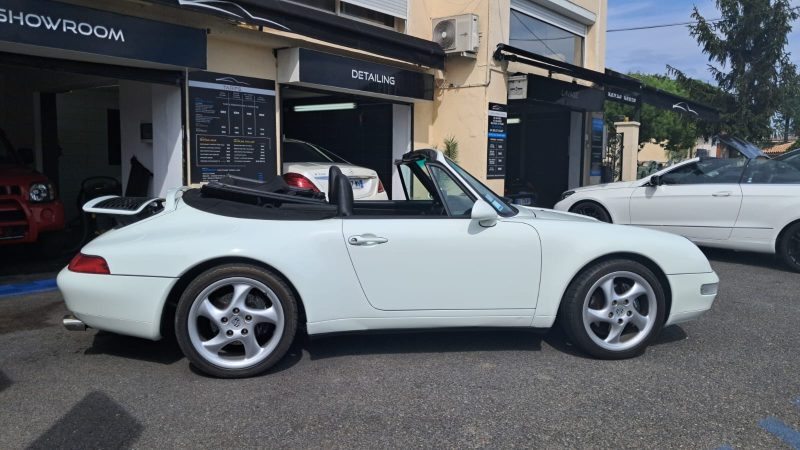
column 538, row 155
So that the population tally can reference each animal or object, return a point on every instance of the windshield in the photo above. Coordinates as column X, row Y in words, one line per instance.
column 502, row 208
column 7, row 154
column 297, row 152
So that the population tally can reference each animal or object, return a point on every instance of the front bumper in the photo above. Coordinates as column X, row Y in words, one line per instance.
column 23, row 222
column 687, row 301
column 123, row 304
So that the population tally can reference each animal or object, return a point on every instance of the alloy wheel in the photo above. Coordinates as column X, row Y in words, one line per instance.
column 236, row 322
column 619, row 311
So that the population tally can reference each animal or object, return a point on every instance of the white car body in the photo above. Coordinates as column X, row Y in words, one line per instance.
column 365, row 182
column 744, row 214
column 479, row 271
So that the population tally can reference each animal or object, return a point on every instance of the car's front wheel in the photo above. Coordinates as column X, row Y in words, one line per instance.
column 613, row 309
column 789, row 247
column 236, row 320
column 591, row 209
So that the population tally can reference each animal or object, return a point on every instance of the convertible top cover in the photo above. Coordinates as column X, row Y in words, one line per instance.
column 252, row 199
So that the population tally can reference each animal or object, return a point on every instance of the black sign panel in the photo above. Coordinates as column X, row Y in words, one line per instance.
column 69, row 27
column 349, row 73
column 573, row 95
column 596, row 161
column 232, row 122
column 496, row 147
column 621, row 96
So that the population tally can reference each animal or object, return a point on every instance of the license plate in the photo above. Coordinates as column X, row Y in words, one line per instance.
column 357, row 184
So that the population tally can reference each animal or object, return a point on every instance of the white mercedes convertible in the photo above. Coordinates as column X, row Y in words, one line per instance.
column 734, row 203
column 236, row 268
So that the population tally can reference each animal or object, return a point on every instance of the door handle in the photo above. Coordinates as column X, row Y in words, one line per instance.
column 722, row 194
column 366, row 240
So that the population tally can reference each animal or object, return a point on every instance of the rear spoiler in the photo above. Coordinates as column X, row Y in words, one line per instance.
column 115, row 205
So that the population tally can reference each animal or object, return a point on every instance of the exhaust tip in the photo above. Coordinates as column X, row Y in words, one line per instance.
column 72, row 323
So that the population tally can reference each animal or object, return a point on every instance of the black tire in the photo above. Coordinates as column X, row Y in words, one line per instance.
column 789, row 247
column 591, row 209
column 284, row 295
column 571, row 311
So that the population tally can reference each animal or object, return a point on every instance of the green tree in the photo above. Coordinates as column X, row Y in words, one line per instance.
column 787, row 119
column 746, row 49
column 675, row 132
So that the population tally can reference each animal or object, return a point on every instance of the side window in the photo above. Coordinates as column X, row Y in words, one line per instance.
column 770, row 171
column 706, row 171
column 457, row 201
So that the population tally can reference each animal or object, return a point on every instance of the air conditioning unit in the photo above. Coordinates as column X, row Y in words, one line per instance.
column 458, row 35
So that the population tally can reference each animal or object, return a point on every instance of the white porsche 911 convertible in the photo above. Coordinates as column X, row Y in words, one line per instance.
column 236, row 268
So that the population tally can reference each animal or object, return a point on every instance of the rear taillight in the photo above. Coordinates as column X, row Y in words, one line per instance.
column 380, row 187
column 299, row 181
column 89, row 264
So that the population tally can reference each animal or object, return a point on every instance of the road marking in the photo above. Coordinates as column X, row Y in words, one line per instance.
column 781, row 430
column 9, row 290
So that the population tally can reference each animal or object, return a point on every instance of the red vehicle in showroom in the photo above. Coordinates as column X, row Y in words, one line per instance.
column 29, row 209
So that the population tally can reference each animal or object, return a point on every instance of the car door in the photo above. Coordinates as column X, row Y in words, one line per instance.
column 770, row 199
column 447, row 261
column 699, row 200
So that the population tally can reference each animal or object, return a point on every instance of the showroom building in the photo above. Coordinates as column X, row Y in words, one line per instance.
column 159, row 93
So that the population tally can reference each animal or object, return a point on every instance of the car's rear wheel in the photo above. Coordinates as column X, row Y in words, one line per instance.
column 236, row 320
column 591, row 209
column 613, row 309
column 789, row 247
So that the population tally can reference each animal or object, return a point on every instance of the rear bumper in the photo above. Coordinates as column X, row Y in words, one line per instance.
column 687, row 301
column 121, row 304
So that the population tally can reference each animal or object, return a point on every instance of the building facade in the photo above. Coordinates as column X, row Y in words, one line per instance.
column 159, row 93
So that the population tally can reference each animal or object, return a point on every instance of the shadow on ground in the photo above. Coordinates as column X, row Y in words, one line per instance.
column 5, row 382
column 165, row 351
column 423, row 342
column 97, row 421
column 762, row 260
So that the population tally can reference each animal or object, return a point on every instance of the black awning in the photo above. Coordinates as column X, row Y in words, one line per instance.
column 618, row 87
column 328, row 27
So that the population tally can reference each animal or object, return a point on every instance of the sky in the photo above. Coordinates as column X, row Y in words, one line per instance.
column 649, row 51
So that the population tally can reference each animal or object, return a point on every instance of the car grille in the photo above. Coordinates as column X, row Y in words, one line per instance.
column 15, row 232
column 10, row 190
column 11, row 213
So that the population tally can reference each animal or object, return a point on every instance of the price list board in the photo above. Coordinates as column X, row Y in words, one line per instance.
column 496, row 147
column 232, row 120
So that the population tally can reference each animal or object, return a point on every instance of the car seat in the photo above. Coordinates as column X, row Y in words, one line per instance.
column 340, row 192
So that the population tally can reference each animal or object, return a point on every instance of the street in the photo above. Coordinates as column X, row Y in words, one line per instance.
column 730, row 379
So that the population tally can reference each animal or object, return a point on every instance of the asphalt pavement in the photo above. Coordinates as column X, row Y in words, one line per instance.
column 730, row 379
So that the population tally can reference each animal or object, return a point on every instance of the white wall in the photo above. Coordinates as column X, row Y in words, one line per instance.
column 401, row 144
column 136, row 107
column 167, row 139
column 83, row 138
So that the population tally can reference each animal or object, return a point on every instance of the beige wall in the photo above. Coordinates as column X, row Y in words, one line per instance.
column 466, row 86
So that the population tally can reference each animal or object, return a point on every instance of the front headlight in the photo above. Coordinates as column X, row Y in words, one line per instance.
column 40, row 192
column 566, row 194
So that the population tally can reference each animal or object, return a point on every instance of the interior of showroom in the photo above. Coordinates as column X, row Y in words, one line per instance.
column 92, row 127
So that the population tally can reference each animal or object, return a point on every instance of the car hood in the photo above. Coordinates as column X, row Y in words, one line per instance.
column 606, row 186
column 527, row 212
column 16, row 174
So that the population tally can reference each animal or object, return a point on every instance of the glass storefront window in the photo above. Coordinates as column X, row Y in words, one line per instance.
column 540, row 37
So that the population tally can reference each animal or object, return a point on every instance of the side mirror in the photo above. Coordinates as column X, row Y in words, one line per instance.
column 484, row 214
column 26, row 155
column 655, row 180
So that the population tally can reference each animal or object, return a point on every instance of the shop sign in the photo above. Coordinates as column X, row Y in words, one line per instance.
column 76, row 28
column 319, row 69
column 232, row 123
column 573, row 95
column 596, row 162
column 496, row 147
column 518, row 87
column 621, row 96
